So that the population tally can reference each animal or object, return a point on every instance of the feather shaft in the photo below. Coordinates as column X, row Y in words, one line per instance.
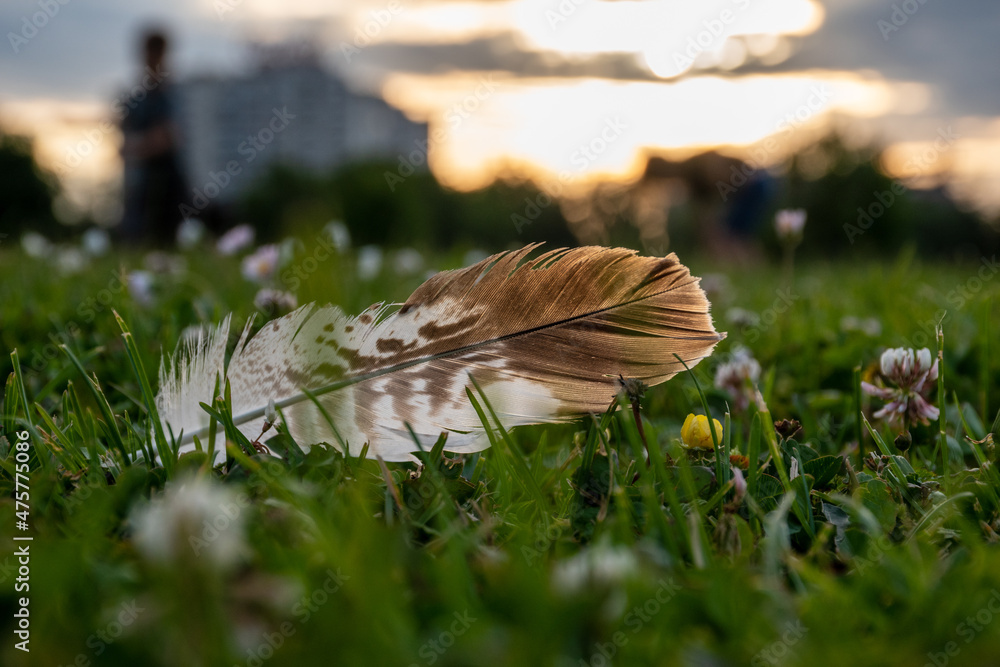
column 546, row 338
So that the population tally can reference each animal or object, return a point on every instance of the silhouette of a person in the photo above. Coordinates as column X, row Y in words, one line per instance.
column 154, row 186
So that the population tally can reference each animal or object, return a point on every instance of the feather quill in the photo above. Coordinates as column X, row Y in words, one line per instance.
column 545, row 337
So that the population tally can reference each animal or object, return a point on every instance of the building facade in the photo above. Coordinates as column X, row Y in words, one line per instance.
column 232, row 130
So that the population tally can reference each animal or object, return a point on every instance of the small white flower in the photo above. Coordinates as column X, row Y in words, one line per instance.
column 788, row 223
column 275, row 302
column 339, row 234
column 261, row 265
column 600, row 564
column 897, row 362
column 165, row 263
column 741, row 317
column 35, row 245
column 739, row 486
column 738, row 377
column 96, row 242
column 71, row 261
column 914, row 373
column 194, row 519
column 288, row 248
column 369, row 262
column 716, row 285
column 190, row 233
column 236, row 239
column 408, row 262
column 271, row 412
column 140, row 286
column 869, row 326
column 474, row 256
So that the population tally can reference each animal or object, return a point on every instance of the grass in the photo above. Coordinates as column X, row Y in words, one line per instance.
column 539, row 550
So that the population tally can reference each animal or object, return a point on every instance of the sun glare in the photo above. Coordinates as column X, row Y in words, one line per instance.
column 582, row 130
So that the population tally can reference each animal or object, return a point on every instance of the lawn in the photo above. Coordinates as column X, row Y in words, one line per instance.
column 811, row 533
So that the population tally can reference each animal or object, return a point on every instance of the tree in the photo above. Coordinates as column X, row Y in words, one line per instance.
column 26, row 191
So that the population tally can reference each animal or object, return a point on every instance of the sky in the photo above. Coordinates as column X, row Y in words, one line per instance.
column 567, row 92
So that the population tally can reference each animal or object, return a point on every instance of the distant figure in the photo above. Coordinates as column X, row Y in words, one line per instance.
column 729, row 200
column 154, row 187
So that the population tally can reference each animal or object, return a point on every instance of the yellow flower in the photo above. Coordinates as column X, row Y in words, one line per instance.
column 696, row 432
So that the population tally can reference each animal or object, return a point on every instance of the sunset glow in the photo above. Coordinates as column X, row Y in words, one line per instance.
column 665, row 75
column 536, row 124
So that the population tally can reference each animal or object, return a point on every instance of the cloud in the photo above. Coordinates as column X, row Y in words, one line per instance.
column 502, row 52
column 952, row 47
column 90, row 52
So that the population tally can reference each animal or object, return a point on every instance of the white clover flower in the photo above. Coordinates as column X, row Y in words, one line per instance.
column 140, row 286
column 869, row 326
column 601, row 564
column 369, row 262
column 195, row 519
column 275, row 302
column 165, row 263
column 474, row 256
column 789, row 223
column 339, row 234
column 288, row 248
column 70, row 261
column 738, row 377
column 261, row 266
column 96, row 242
column 35, row 245
column 739, row 486
column 236, row 239
column 408, row 262
column 716, row 285
column 914, row 373
column 190, row 233
column 741, row 317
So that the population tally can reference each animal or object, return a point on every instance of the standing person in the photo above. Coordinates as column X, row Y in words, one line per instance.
column 154, row 187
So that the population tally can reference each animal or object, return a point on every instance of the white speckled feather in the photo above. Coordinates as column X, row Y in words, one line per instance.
column 546, row 338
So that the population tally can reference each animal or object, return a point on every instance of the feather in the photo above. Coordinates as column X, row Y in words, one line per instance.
column 546, row 338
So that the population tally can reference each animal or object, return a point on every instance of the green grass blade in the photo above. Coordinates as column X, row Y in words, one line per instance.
column 66, row 450
column 858, row 415
column 110, row 424
column 41, row 451
column 753, row 454
column 163, row 447
column 517, row 457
